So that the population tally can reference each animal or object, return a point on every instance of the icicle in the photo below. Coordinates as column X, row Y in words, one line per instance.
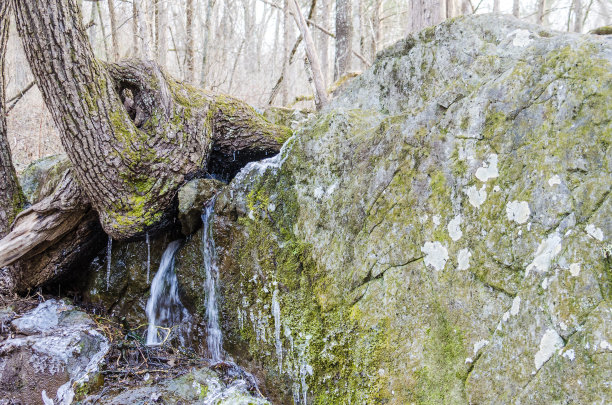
column 148, row 256
column 109, row 252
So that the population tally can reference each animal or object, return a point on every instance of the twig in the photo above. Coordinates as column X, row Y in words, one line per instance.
column 15, row 99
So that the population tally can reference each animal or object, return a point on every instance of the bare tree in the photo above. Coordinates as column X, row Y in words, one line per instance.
column 496, row 6
column 11, row 198
column 190, row 41
column 344, row 38
column 577, row 5
column 321, row 98
column 161, row 30
column 516, row 11
column 541, row 11
column 131, row 132
column 114, row 34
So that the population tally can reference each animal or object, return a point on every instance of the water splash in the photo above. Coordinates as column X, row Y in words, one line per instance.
column 148, row 241
column 109, row 253
column 164, row 308
column 214, row 339
column 274, row 163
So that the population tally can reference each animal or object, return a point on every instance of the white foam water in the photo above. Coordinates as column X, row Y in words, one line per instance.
column 214, row 337
column 164, row 308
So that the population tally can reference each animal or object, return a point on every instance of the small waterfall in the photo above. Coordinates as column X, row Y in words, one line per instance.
column 164, row 308
column 214, row 338
column 109, row 253
column 148, row 256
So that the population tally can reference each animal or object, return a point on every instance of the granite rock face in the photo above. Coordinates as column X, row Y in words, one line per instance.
column 440, row 234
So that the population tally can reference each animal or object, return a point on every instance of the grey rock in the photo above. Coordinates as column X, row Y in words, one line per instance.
column 192, row 196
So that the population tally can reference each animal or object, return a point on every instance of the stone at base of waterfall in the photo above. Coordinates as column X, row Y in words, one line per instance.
column 200, row 386
column 55, row 350
column 192, row 197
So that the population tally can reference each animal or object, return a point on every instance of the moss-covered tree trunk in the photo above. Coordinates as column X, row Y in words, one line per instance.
column 132, row 133
column 11, row 198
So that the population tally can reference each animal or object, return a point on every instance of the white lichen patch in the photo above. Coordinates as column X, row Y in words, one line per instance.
column 518, row 211
column 594, row 232
column 554, row 180
column 605, row 345
column 479, row 345
column 516, row 306
column 454, row 228
column 463, row 259
column 488, row 169
column 574, row 269
column 550, row 343
column 569, row 354
column 521, row 38
column 436, row 255
column 547, row 250
column 475, row 196
column 436, row 220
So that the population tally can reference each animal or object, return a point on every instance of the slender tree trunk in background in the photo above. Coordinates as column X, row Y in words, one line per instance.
column 207, row 30
column 321, row 98
column 107, row 54
column 130, row 154
column 452, row 9
column 496, row 6
column 143, row 31
column 425, row 13
column 324, row 38
column 344, row 38
column 92, row 29
column 578, row 12
column 604, row 12
column 161, row 31
column 190, row 42
column 516, row 10
column 135, row 29
column 114, row 34
column 541, row 11
column 375, row 28
column 285, row 83
column 11, row 198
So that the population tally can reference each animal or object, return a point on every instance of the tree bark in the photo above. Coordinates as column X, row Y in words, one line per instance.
column 132, row 133
column 516, row 10
column 344, row 38
column 321, row 98
column 161, row 31
column 496, row 6
column 114, row 34
column 541, row 11
column 190, row 43
column 11, row 197
column 578, row 12
column 135, row 29
column 426, row 13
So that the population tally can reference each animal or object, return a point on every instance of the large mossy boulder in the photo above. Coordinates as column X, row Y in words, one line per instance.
column 441, row 233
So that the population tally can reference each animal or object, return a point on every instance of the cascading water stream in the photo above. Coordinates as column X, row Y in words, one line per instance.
column 164, row 307
column 214, row 339
column 109, row 253
column 148, row 241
